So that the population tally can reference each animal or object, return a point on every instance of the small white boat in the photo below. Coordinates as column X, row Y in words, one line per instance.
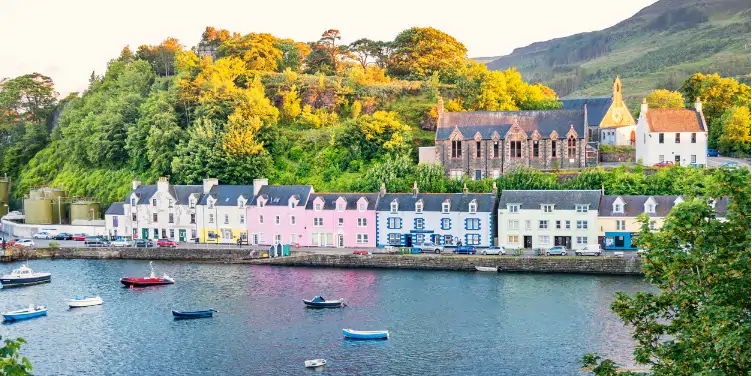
column 84, row 302
column 25, row 313
column 487, row 268
column 315, row 363
column 365, row 334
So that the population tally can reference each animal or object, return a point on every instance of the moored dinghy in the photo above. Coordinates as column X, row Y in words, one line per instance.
column 84, row 302
column 315, row 363
column 193, row 314
column 319, row 302
column 26, row 313
column 364, row 334
column 151, row 280
column 492, row 269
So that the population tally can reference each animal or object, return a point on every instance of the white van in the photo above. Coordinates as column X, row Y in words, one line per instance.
column 589, row 250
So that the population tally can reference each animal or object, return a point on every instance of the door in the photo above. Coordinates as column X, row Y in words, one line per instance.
column 181, row 235
column 477, row 175
column 255, row 239
column 340, row 241
column 619, row 241
column 677, row 159
column 164, row 233
column 528, row 241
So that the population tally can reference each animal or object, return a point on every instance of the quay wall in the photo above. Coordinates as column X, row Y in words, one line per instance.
column 226, row 255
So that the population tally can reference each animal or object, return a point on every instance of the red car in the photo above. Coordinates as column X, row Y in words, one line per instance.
column 664, row 164
column 361, row 252
column 79, row 237
column 166, row 243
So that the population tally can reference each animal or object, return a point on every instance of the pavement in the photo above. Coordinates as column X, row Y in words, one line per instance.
column 719, row 161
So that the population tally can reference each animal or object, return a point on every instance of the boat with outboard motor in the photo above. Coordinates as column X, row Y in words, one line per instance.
column 193, row 314
column 365, row 334
column 24, row 276
column 84, row 302
column 319, row 302
column 25, row 313
column 151, row 280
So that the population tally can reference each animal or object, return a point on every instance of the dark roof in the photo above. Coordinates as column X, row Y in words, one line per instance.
column 486, row 122
column 181, row 193
column 433, row 201
column 227, row 195
column 330, row 200
column 675, row 120
column 116, row 208
column 279, row 195
column 597, row 107
column 635, row 205
column 561, row 199
column 143, row 192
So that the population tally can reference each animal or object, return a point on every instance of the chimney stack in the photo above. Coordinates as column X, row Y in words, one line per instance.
column 603, row 189
column 209, row 184
column 382, row 190
column 415, row 189
column 644, row 106
column 163, row 184
column 258, row 183
column 136, row 184
column 698, row 105
column 465, row 190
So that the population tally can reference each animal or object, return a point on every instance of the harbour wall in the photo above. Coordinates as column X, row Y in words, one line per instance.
column 175, row 254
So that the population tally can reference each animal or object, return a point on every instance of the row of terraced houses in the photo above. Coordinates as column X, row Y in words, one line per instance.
column 262, row 214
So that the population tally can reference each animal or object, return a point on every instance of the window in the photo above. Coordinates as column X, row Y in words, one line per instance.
column 536, row 152
column 621, row 224
column 318, row 222
column 446, row 224
column 478, row 175
column 293, row 238
column 361, row 238
column 261, row 219
column 572, row 147
column 581, row 208
column 242, row 219
column 362, row 207
column 548, row 208
column 677, row 138
column 171, row 218
column 528, row 225
column 394, row 206
column 419, row 223
column 567, row 225
column 660, row 138
column 277, row 239
column 192, row 204
column 652, row 225
column 340, row 207
column 544, row 239
column 114, row 221
column 558, row 225
column 473, row 239
column 362, row 222
column 477, row 149
column 618, row 208
column 515, row 149
column 650, row 208
column 694, row 138
column 156, row 233
column 692, row 158
column 133, row 202
column 340, row 222
column 292, row 219
column 172, row 233
column 661, row 157
column 169, row 203
column 211, row 218
column 134, row 217
column 513, row 239
column 292, row 204
column 445, row 207
column 276, row 219
column 513, row 208
column 227, row 218
column 154, row 217
column 473, row 207
column 241, row 204
column 456, row 149
column 496, row 149
column 418, row 238
column 472, row 223
column 553, row 148
column 419, row 207
column 193, row 234
column 582, row 225
column 582, row 240
column 261, row 204
column 513, row 224
column 455, row 174
column 542, row 225
column 495, row 173
column 154, row 202
column 393, row 239
column 317, row 206
column 394, row 223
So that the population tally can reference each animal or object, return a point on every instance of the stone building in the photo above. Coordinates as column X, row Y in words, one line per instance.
column 486, row 144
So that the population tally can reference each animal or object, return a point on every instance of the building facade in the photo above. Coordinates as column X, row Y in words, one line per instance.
column 222, row 211
column 161, row 211
column 406, row 219
column 543, row 219
column 609, row 120
column 115, row 220
column 277, row 215
column 676, row 135
column 341, row 220
column 617, row 218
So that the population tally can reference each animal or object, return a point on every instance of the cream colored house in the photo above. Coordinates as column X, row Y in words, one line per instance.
column 223, row 211
column 161, row 211
column 617, row 218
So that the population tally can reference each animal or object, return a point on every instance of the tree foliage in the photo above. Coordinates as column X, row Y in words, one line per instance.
column 11, row 362
column 735, row 138
column 421, row 51
column 662, row 98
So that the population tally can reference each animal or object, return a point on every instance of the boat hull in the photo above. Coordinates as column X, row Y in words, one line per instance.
column 315, row 363
column 192, row 315
column 487, row 269
column 23, row 316
column 145, row 282
column 365, row 335
column 329, row 304
column 84, row 303
column 17, row 282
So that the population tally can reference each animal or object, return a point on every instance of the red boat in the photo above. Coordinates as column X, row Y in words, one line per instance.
column 151, row 280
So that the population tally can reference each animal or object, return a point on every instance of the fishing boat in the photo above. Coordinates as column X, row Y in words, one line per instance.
column 493, row 269
column 84, row 302
column 24, row 276
column 363, row 334
column 26, row 313
column 193, row 314
column 315, row 363
column 319, row 302
column 151, row 280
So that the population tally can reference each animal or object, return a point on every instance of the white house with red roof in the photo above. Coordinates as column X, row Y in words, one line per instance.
column 677, row 135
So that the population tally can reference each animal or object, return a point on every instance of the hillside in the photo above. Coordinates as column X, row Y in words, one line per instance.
column 658, row 47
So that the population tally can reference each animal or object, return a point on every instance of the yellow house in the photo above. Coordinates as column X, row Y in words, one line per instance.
column 617, row 217
column 609, row 119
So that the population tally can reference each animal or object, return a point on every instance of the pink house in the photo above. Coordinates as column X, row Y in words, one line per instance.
column 341, row 220
column 277, row 215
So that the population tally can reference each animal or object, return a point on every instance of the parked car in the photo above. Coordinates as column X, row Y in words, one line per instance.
column 63, row 236
column 79, row 237
column 496, row 250
column 558, row 250
column 664, row 164
column 122, row 242
column 42, row 235
column 143, row 243
column 25, row 243
column 590, row 249
column 166, row 243
column 713, row 153
column 96, row 241
column 731, row 165
column 430, row 247
column 464, row 249
column 12, row 243
column 361, row 252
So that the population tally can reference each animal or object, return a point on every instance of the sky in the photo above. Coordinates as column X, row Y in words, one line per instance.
column 67, row 40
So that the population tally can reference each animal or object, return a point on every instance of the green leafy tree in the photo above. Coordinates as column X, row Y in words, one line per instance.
column 717, row 94
column 11, row 362
column 365, row 49
column 421, row 51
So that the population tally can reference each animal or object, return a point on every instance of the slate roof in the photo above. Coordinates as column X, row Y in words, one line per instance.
column 635, row 205
column 116, row 208
column 488, row 122
column 143, row 192
column 433, row 201
column 675, row 120
column 562, row 200
column 181, row 193
column 597, row 107
column 330, row 200
column 184, row 192
column 279, row 195
column 227, row 195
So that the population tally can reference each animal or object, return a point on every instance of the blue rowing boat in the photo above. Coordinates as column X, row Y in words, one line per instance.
column 26, row 313
column 194, row 314
column 362, row 334
column 319, row 302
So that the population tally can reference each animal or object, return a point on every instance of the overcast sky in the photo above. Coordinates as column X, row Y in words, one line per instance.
column 67, row 40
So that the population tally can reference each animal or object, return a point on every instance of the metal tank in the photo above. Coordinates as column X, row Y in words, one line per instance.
column 38, row 211
column 4, row 196
column 60, row 204
column 85, row 210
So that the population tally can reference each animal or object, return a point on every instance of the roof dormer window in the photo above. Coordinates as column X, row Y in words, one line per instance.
column 210, row 204
column 650, row 208
column 362, row 205
column 340, row 206
column 317, row 206
column 261, row 203
column 394, row 206
column 445, row 207
column 548, row 208
column 473, row 207
column 192, row 203
column 419, row 207
column 618, row 207
column 241, row 203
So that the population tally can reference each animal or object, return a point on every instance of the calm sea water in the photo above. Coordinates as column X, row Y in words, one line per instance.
column 442, row 323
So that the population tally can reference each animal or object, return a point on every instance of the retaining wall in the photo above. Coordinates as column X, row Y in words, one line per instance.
column 132, row 253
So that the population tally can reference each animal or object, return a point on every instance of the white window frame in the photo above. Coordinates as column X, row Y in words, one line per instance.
column 318, row 222
column 513, row 239
column 581, row 208
column 513, row 208
column 582, row 225
column 445, row 208
column 362, row 222
column 543, row 224
column 242, row 219
column 547, row 208
column 472, row 207
column 582, row 240
column 544, row 239
column 340, row 222
column 419, row 207
column 361, row 238
column 394, row 206
column 513, row 224
column 420, row 224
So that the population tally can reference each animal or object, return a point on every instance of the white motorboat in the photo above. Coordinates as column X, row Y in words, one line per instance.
column 315, row 363
column 84, row 302
column 493, row 269
column 24, row 276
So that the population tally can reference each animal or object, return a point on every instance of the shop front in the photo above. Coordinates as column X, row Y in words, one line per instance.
column 619, row 241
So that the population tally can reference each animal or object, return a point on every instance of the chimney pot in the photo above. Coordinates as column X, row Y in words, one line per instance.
column 415, row 189
column 382, row 190
column 465, row 190
column 698, row 104
column 258, row 183
column 136, row 184
column 210, row 183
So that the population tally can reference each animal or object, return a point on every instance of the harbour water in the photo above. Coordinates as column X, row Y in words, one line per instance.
column 441, row 323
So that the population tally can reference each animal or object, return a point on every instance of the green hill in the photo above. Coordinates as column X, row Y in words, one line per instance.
column 658, row 47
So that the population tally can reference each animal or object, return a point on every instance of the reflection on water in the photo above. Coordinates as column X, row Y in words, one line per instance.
column 448, row 323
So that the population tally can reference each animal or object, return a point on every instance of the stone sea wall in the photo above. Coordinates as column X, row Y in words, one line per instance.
column 132, row 254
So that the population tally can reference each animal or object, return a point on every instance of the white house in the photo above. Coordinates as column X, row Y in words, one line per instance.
column 222, row 211
column 115, row 220
column 676, row 135
column 162, row 211
column 542, row 219
column 405, row 219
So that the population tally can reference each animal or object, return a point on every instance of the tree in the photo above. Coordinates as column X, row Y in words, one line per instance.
column 161, row 57
column 365, row 49
column 11, row 363
column 736, row 130
column 698, row 320
column 662, row 98
column 326, row 56
column 379, row 133
column 293, row 54
column 717, row 95
column 30, row 97
column 291, row 104
column 419, row 52
column 258, row 51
